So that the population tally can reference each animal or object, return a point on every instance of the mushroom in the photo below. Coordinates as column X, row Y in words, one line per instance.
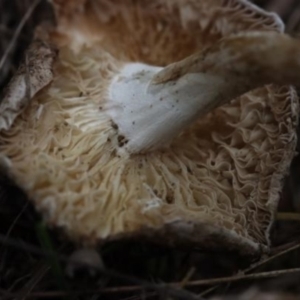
column 161, row 121
column 84, row 259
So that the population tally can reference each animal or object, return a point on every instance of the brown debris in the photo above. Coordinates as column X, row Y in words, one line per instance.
column 33, row 74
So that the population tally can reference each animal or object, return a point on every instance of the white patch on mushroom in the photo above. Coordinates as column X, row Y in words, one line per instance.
column 154, row 202
column 150, row 116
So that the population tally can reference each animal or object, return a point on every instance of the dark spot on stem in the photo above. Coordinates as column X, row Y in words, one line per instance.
column 122, row 140
column 114, row 125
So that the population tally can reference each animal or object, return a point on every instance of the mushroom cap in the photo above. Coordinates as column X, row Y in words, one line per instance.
column 218, row 183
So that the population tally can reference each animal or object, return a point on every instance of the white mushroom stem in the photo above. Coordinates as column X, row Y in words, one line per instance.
column 151, row 105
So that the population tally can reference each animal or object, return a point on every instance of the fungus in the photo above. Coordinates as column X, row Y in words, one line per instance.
column 84, row 259
column 160, row 122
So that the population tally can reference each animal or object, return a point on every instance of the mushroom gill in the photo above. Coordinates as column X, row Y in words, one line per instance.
column 216, row 183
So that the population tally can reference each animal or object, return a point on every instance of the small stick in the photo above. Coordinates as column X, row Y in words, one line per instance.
column 17, row 32
column 242, row 277
column 188, row 276
column 258, row 264
column 288, row 216
column 194, row 283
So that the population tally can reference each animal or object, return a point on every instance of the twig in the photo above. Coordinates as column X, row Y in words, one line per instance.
column 243, row 277
column 258, row 264
column 12, row 226
column 58, row 294
column 33, row 282
column 288, row 216
column 187, row 277
column 195, row 283
column 171, row 290
column 18, row 31
column 268, row 259
column 8, row 31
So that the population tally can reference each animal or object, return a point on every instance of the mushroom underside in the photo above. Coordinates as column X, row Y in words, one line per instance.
column 218, row 183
